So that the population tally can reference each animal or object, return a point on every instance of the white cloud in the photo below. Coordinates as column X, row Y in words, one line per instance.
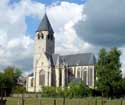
column 16, row 47
column 63, row 18
column 122, row 49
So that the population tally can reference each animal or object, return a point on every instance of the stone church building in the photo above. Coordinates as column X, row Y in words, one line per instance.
column 50, row 69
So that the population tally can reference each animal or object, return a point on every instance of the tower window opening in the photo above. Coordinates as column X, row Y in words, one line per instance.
column 48, row 36
column 51, row 37
column 32, row 82
column 38, row 36
column 42, row 36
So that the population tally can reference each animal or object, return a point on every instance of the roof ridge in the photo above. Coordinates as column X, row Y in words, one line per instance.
column 77, row 54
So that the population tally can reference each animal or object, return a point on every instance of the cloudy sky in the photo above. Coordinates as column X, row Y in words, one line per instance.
column 79, row 25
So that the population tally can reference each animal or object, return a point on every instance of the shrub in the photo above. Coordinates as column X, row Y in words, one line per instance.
column 48, row 91
column 74, row 90
column 79, row 90
column 19, row 89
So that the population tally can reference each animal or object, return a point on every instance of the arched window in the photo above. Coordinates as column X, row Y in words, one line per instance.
column 85, row 77
column 51, row 37
column 42, row 36
column 48, row 37
column 90, row 72
column 38, row 36
column 32, row 82
column 78, row 72
column 70, row 74
column 42, row 77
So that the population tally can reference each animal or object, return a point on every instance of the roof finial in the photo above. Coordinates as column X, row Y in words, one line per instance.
column 45, row 24
column 45, row 9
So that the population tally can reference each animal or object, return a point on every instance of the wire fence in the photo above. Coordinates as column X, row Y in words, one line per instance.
column 64, row 101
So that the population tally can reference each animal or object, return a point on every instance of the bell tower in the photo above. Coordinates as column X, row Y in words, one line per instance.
column 44, row 38
column 44, row 47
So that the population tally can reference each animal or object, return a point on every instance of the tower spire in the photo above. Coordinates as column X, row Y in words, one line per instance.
column 45, row 24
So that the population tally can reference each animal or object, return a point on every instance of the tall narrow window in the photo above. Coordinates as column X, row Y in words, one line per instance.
column 51, row 37
column 48, row 36
column 78, row 73
column 70, row 74
column 42, row 36
column 38, row 36
column 42, row 77
column 32, row 82
column 90, row 76
column 85, row 77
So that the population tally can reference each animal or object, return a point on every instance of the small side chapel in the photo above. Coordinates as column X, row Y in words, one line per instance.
column 50, row 69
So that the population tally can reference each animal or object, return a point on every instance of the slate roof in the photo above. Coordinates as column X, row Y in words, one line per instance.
column 74, row 59
column 45, row 25
column 30, row 75
column 55, row 59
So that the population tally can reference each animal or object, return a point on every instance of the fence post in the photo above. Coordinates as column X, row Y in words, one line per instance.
column 18, row 102
column 40, row 102
column 79, row 102
column 54, row 101
column 22, row 100
column 88, row 102
column 121, row 102
column 96, row 101
column 64, row 100
column 102, row 100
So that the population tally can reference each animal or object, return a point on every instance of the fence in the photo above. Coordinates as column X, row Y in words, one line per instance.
column 64, row 101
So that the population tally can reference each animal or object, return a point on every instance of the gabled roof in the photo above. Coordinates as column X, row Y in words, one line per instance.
column 30, row 75
column 45, row 25
column 80, row 59
column 74, row 59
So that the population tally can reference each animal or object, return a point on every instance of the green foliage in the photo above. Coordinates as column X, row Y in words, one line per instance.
column 123, row 86
column 8, row 78
column 108, row 72
column 59, row 92
column 19, row 89
column 74, row 90
column 2, row 79
column 48, row 91
column 78, row 90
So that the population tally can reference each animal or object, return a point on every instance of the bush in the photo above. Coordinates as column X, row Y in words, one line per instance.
column 59, row 92
column 74, row 90
column 19, row 89
column 48, row 91
column 79, row 90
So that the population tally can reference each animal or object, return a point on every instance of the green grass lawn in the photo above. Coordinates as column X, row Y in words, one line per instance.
column 59, row 101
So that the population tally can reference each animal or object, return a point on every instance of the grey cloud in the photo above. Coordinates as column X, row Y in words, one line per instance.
column 105, row 23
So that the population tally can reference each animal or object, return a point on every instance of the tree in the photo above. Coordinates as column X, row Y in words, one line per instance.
column 123, row 86
column 12, row 74
column 2, row 77
column 108, row 72
column 19, row 89
column 8, row 78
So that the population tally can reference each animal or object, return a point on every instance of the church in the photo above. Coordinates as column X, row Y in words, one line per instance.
column 50, row 69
